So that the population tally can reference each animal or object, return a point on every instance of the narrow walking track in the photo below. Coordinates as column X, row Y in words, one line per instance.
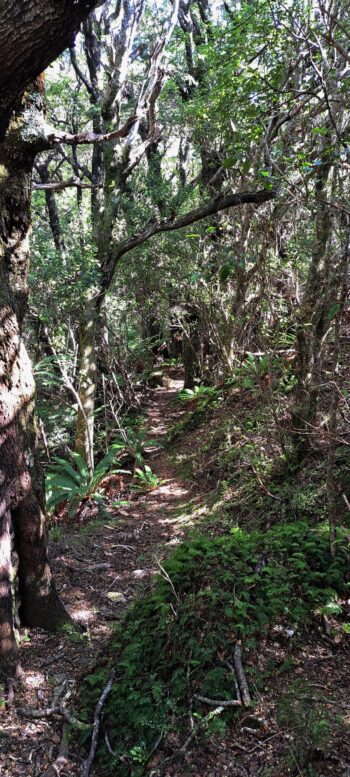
column 99, row 567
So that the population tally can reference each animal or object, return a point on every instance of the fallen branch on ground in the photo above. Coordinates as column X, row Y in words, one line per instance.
column 47, row 712
column 237, row 689
column 96, row 726
column 218, row 703
column 242, row 681
column 55, row 769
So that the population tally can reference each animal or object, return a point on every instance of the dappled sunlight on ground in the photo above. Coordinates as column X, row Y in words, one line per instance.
column 99, row 567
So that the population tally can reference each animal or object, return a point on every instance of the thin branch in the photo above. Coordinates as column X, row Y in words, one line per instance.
column 58, row 186
column 79, row 72
column 96, row 726
column 140, row 151
column 55, row 769
column 242, row 681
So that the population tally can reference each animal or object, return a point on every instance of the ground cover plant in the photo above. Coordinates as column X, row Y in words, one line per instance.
column 213, row 591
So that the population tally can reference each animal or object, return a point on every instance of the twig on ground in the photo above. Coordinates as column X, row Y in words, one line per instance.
column 155, row 746
column 96, row 726
column 237, row 658
column 166, row 577
column 346, row 501
column 191, row 736
column 261, row 483
column 109, row 746
column 52, row 660
column 326, row 626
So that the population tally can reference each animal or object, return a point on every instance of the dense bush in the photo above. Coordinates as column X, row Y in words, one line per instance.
column 211, row 592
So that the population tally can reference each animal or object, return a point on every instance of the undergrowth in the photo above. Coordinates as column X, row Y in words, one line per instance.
column 210, row 593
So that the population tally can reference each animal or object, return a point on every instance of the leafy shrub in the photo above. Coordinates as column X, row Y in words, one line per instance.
column 215, row 590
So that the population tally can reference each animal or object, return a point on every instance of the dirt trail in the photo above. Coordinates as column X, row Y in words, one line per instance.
column 99, row 569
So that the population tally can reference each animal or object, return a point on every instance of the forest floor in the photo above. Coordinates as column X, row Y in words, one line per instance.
column 100, row 566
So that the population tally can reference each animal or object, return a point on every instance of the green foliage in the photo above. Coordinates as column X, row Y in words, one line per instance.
column 304, row 710
column 215, row 591
column 136, row 443
column 203, row 396
column 64, row 483
column 55, row 533
column 145, row 479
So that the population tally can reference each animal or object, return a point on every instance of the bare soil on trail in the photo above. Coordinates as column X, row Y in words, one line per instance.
column 100, row 566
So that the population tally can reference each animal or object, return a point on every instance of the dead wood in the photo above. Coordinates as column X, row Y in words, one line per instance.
column 96, row 726
column 55, row 769
column 218, row 702
column 242, row 681
column 47, row 712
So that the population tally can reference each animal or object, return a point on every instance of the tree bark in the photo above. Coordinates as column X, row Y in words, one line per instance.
column 32, row 34
column 87, row 369
column 312, row 325
column 21, row 482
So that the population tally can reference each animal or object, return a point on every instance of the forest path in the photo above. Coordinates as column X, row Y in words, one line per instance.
column 99, row 566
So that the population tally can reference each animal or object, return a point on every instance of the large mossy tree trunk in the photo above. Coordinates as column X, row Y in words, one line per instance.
column 21, row 482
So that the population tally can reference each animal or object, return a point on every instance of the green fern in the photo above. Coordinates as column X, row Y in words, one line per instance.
column 145, row 479
column 66, row 484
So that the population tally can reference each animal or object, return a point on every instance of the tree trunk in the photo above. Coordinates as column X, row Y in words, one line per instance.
column 190, row 352
column 312, row 325
column 87, row 371
column 32, row 34
column 21, row 483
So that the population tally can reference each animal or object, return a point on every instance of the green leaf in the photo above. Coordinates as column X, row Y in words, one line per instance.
column 333, row 311
column 230, row 161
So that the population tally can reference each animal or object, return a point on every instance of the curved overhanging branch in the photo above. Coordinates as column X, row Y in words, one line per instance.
column 222, row 202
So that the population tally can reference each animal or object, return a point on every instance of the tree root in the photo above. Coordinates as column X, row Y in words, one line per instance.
column 47, row 712
column 55, row 769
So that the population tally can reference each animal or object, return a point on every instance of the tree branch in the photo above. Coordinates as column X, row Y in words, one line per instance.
column 222, row 202
column 58, row 186
column 79, row 73
column 85, row 138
